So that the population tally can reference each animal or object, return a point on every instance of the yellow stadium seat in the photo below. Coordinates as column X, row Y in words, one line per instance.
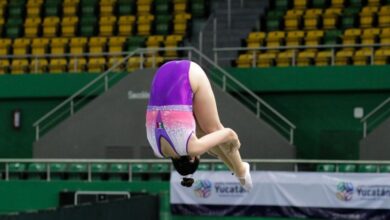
column 373, row 2
column 69, row 26
column 311, row 19
column 70, row 7
column 31, row 26
column 33, row 11
column 330, row 18
column 50, row 26
column 77, row 65
column 351, row 36
column 385, row 36
column 180, row 23
column 134, row 63
column 144, row 25
column 370, row 35
column 266, row 59
column 153, row 61
column 106, row 25
column 59, row 45
column 363, row 56
column 382, row 56
column 300, row 4
column 38, row 65
column 313, row 38
column 4, row 66
column 323, row 58
column 337, row 3
column 57, row 65
column 39, row 46
column 19, row 66
column 5, row 46
column 245, row 60
column 384, row 16
column 343, row 57
column 126, row 25
column 21, row 46
column 172, row 41
column 96, row 64
column 292, row 19
column 285, row 58
column 97, row 44
column 114, row 60
column 154, row 41
column 367, row 16
column 255, row 39
column 180, row 7
column 306, row 58
column 107, row 7
column 78, row 45
column 294, row 38
column 144, row 9
column 115, row 44
column 275, row 38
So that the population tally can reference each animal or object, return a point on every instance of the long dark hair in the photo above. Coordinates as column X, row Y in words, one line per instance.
column 185, row 166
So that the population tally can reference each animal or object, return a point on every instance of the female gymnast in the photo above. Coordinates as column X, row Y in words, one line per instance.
column 182, row 122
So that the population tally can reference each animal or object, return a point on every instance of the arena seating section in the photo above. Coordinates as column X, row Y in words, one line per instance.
column 76, row 27
column 321, row 22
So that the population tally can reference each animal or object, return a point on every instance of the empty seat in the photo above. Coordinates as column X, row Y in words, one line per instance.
column 293, row 19
column 78, row 45
column 98, row 171
column 118, row 171
column 382, row 56
column 126, row 25
column 31, row 26
column 347, row 168
column 36, row 171
column 220, row 167
column 39, row 46
column 4, row 66
column 384, row 16
column 300, row 4
column 16, row 170
column 59, row 45
column 385, row 36
column 5, row 46
column 285, row 58
column 180, row 23
column 96, row 64
column 370, row 36
column 57, row 65
column 50, row 26
column 337, row 3
column 245, row 60
column 134, row 63
column 313, row 38
column 306, row 58
column 294, row 38
column 351, row 36
column 275, row 39
column 107, row 7
column 77, row 171
column 344, row 56
column 323, row 58
column 154, row 41
column 368, row 168
column 172, row 42
column 144, row 24
column 69, row 26
column 39, row 65
column 115, row 44
column 331, row 18
column 97, row 44
column 106, row 25
column 57, row 171
column 70, row 7
column 255, row 39
column 384, row 168
column 135, row 42
column 77, row 65
column 21, row 46
column 19, row 66
column 367, row 16
column 326, row 168
column 363, row 56
column 159, row 171
column 139, row 170
column 113, row 60
column 266, row 59
column 312, row 19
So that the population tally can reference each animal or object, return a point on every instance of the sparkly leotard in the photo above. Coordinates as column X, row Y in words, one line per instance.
column 169, row 114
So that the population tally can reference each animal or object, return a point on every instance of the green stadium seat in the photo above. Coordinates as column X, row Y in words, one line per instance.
column 326, row 168
column 88, row 26
column 163, row 28
column 332, row 37
column 77, row 171
column 221, row 167
column 16, row 12
column 52, row 8
column 320, row 3
column 14, row 31
column 282, row 4
column 348, row 22
column 36, row 171
column 16, row 170
column 57, row 171
column 126, row 7
column 347, row 168
column 351, row 11
column 356, row 3
column 159, row 171
column 162, row 7
column 135, row 42
column 139, row 171
column 98, row 171
column 198, row 8
column 368, row 168
column 274, row 24
column 384, row 168
column 118, row 171
column 204, row 167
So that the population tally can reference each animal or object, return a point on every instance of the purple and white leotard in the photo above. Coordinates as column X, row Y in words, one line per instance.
column 169, row 114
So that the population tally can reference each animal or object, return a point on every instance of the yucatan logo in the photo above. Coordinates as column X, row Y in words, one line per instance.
column 344, row 191
column 202, row 188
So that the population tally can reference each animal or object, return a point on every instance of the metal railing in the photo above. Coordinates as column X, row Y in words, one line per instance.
column 220, row 76
column 376, row 116
column 294, row 58
column 255, row 164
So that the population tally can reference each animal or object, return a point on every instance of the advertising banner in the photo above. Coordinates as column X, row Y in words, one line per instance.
column 285, row 194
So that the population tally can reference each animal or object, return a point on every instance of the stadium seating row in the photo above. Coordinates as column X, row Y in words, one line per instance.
column 346, row 56
column 362, row 168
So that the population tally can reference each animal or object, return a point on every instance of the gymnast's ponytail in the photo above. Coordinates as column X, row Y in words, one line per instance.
column 186, row 166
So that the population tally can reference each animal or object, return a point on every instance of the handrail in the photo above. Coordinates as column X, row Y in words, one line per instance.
column 370, row 114
column 141, row 52
column 247, row 90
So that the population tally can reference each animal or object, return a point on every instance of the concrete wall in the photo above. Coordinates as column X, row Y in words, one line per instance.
column 376, row 146
column 113, row 126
